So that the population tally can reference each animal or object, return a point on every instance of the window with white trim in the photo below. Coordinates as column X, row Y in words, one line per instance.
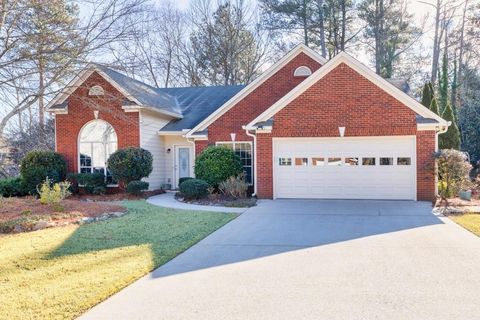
column 302, row 71
column 96, row 91
column 97, row 141
column 244, row 151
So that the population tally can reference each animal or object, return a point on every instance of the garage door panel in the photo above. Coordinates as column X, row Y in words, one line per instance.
column 301, row 179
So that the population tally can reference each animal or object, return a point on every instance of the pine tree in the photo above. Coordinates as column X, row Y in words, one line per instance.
column 451, row 138
column 434, row 106
column 427, row 95
column 443, row 84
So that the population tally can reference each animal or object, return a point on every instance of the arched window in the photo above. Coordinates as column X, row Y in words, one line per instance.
column 302, row 71
column 97, row 141
column 96, row 91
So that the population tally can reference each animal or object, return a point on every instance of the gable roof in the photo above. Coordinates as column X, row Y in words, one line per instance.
column 136, row 92
column 196, row 103
column 357, row 66
column 255, row 84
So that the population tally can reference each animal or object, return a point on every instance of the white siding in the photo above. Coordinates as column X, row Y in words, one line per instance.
column 170, row 143
column 150, row 124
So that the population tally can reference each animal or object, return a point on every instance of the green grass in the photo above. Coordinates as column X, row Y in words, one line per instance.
column 60, row 273
column 470, row 221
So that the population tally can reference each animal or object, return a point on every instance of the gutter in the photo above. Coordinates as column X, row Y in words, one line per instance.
column 254, row 136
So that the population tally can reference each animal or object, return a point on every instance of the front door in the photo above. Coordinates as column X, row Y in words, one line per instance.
column 182, row 163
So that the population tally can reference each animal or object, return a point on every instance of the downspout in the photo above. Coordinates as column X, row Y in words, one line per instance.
column 442, row 129
column 190, row 140
column 254, row 136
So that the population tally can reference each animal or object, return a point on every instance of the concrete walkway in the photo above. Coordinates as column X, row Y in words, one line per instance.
column 168, row 200
column 306, row 259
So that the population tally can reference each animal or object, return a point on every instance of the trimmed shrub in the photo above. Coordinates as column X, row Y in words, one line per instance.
column 130, row 164
column 92, row 183
column 194, row 189
column 137, row 187
column 234, row 187
column 36, row 166
column 12, row 187
column 217, row 164
column 183, row 180
column 453, row 173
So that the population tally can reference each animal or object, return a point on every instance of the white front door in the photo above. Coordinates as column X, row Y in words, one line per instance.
column 182, row 163
column 345, row 168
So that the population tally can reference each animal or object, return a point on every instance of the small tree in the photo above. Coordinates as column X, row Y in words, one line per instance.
column 217, row 164
column 451, row 138
column 427, row 94
column 453, row 173
column 434, row 106
column 130, row 164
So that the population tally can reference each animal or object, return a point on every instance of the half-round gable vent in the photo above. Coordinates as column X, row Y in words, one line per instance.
column 96, row 91
column 302, row 71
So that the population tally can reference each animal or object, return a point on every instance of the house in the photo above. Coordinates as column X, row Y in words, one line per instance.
column 305, row 128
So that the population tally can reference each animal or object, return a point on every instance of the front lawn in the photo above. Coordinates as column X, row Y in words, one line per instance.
column 62, row 272
column 470, row 221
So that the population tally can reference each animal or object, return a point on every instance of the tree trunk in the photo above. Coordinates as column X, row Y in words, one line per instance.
column 41, row 91
column 436, row 43
column 322, row 28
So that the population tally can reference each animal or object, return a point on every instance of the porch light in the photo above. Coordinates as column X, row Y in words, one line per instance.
column 232, row 136
column 341, row 130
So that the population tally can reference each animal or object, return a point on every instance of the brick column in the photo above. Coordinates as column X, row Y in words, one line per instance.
column 426, row 165
column 264, row 166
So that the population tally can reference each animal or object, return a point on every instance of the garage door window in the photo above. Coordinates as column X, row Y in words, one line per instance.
column 334, row 161
column 404, row 161
column 284, row 161
column 386, row 161
column 318, row 161
column 351, row 161
column 368, row 161
column 301, row 161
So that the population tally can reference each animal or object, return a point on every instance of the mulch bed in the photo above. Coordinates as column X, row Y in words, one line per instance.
column 115, row 196
column 26, row 213
column 220, row 201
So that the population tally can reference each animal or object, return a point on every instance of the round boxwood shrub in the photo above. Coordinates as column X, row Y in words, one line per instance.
column 194, row 189
column 181, row 180
column 217, row 164
column 12, row 187
column 36, row 166
column 130, row 164
column 137, row 186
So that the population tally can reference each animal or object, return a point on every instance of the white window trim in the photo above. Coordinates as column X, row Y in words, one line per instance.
column 96, row 91
column 78, row 151
column 302, row 71
column 218, row 143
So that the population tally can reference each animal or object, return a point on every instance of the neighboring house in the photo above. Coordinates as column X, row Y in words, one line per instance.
column 6, row 165
column 305, row 128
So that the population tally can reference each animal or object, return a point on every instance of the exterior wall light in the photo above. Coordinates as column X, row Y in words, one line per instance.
column 341, row 130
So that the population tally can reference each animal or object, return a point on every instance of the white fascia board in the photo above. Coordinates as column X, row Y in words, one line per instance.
column 171, row 133
column 256, row 83
column 362, row 70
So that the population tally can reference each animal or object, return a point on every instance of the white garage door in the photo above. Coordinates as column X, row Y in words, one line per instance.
column 344, row 168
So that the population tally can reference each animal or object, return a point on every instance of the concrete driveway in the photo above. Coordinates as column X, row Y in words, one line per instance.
column 309, row 259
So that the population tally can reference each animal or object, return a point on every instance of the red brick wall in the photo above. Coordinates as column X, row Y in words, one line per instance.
column 425, row 165
column 80, row 111
column 345, row 98
column 256, row 102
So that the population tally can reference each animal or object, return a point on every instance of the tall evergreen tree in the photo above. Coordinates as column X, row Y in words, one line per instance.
column 443, row 84
column 427, row 95
column 434, row 106
column 451, row 138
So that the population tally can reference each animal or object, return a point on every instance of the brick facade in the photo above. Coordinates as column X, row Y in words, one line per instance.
column 81, row 110
column 256, row 102
column 343, row 98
